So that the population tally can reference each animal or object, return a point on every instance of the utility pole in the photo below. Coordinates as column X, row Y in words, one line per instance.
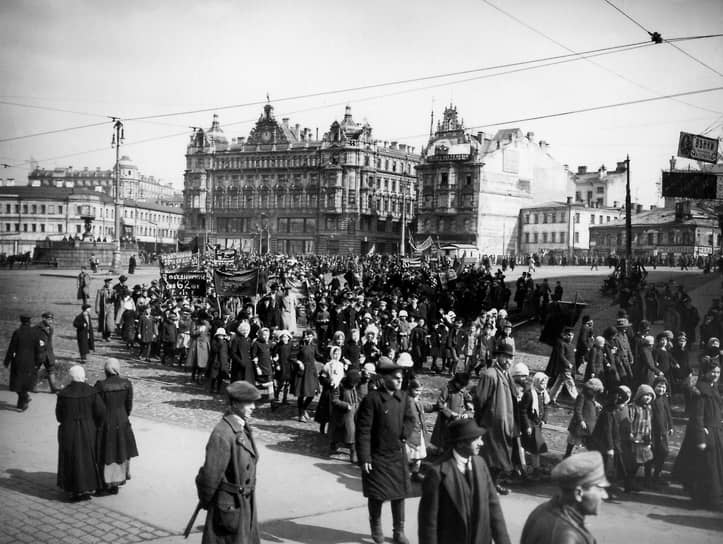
column 118, row 139
column 628, row 220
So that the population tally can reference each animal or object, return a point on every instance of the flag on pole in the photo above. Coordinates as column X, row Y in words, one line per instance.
column 372, row 249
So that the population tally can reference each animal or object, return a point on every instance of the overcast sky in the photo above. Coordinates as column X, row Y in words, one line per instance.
column 133, row 58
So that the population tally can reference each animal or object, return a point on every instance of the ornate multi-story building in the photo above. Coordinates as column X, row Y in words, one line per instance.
column 284, row 190
column 134, row 185
column 473, row 186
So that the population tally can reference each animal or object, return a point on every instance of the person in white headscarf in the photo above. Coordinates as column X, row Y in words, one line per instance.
column 79, row 411
column 116, row 442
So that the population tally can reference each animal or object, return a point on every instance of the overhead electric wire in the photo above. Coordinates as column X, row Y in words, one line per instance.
column 690, row 56
column 524, row 66
column 559, row 44
column 49, row 108
column 46, row 132
column 507, row 122
column 389, row 83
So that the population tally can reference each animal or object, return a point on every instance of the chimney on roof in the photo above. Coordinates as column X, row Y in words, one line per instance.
column 285, row 121
column 638, row 208
column 620, row 166
column 481, row 137
column 582, row 169
column 393, row 145
column 569, row 200
column 653, row 207
column 296, row 129
column 672, row 163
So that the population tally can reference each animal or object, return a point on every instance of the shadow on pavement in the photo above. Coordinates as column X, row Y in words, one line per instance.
column 698, row 522
column 283, row 530
column 36, row 484
column 346, row 474
column 303, row 441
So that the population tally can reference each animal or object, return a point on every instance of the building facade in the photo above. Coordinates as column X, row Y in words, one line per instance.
column 662, row 233
column 31, row 214
column 474, row 185
column 284, row 190
column 134, row 185
column 603, row 188
column 561, row 228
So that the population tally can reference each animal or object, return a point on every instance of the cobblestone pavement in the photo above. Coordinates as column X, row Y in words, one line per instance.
column 37, row 505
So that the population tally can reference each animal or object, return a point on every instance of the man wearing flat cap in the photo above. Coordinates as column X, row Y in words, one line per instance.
column 495, row 411
column 561, row 520
column 624, row 353
column 46, row 354
column 459, row 501
column 21, row 357
column 226, row 482
column 384, row 421
column 84, row 333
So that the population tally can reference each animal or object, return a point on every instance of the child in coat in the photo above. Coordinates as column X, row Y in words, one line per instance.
column 345, row 401
column 532, row 416
column 641, row 434
column 453, row 403
column 662, row 428
column 417, row 440
column 584, row 415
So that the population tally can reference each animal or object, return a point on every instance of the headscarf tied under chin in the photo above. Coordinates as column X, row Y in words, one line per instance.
column 77, row 373
column 112, row 367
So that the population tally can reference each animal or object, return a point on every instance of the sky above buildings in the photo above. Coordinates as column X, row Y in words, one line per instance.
column 97, row 58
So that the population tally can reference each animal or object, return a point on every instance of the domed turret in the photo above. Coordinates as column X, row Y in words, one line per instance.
column 215, row 133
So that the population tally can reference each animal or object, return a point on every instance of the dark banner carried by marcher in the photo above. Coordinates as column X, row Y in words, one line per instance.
column 241, row 283
column 188, row 284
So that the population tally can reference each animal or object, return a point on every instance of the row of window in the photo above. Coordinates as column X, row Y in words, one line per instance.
column 446, row 181
column 673, row 237
column 561, row 217
column 551, row 237
column 294, row 161
column 98, row 230
column 296, row 225
column 108, row 213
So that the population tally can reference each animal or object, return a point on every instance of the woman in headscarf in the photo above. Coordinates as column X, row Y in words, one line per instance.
column 79, row 411
column 116, row 442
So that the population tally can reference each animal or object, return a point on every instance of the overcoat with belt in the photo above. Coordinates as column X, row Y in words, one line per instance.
column 442, row 515
column 226, row 484
column 384, row 422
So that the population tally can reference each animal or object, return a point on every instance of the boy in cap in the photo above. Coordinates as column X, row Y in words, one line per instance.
column 582, row 482
column 561, row 366
column 459, row 502
column 226, row 482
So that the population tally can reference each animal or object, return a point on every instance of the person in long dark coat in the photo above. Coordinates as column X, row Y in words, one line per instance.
column 22, row 356
column 146, row 334
column 699, row 465
column 116, row 441
column 384, row 421
column 307, row 375
column 219, row 365
column 226, row 483
column 495, row 412
column 84, row 333
column 83, row 285
column 105, row 310
column 459, row 507
column 80, row 411
column 132, row 264
column 240, row 351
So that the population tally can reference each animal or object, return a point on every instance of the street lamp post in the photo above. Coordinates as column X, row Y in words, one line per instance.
column 118, row 138
column 628, row 220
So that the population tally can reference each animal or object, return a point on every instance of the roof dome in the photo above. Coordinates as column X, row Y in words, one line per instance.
column 215, row 133
column 126, row 163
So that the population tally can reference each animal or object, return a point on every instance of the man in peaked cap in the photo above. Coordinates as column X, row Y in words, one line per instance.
column 459, row 501
column 582, row 483
column 219, row 489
